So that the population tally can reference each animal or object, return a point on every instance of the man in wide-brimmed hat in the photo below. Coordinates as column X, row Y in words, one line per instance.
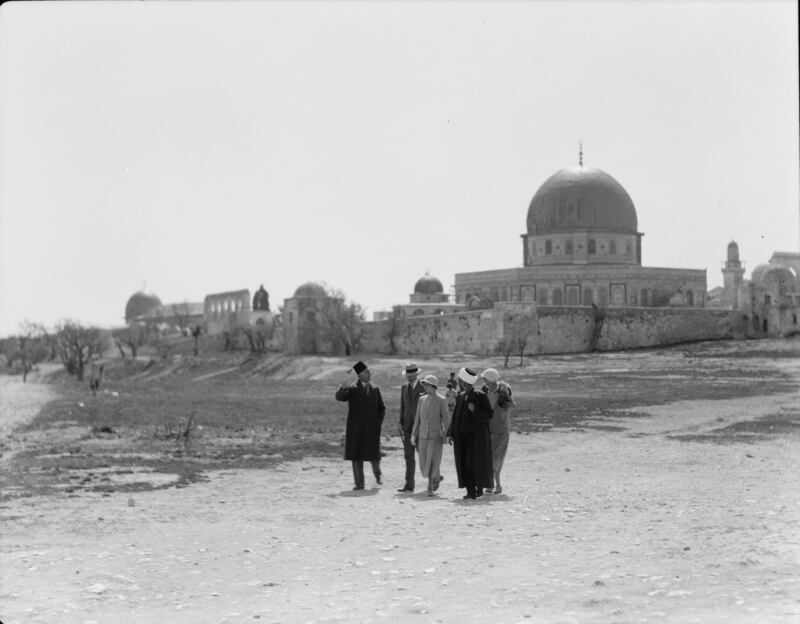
column 469, row 434
column 365, row 414
column 410, row 392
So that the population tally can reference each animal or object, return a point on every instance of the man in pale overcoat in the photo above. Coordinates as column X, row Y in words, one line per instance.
column 365, row 412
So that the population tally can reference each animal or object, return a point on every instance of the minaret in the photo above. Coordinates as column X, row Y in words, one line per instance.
column 732, row 275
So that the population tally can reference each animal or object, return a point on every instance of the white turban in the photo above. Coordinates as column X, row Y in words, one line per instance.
column 467, row 376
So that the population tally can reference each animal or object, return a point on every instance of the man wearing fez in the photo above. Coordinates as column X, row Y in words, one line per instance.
column 469, row 434
column 410, row 392
column 365, row 411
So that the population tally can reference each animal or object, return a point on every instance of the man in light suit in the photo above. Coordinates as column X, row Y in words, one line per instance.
column 410, row 392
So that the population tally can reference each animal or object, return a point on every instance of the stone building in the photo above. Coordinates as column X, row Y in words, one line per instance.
column 228, row 311
column 428, row 298
column 770, row 300
column 582, row 246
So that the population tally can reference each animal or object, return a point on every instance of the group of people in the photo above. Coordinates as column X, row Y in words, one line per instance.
column 472, row 416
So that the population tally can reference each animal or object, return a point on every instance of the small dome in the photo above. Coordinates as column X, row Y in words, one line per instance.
column 140, row 303
column 581, row 198
column 758, row 272
column 777, row 278
column 310, row 289
column 428, row 285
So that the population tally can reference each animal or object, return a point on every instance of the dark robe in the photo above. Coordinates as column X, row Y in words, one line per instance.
column 472, row 441
column 364, row 420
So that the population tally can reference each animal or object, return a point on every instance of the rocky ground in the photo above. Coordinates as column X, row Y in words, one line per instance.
column 681, row 512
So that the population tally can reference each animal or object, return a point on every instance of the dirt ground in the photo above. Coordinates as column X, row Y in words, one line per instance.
column 682, row 511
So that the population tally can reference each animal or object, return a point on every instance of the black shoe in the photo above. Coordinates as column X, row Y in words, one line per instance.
column 378, row 479
column 468, row 496
column 358, row 487
column 479, row 493
column 405, row 488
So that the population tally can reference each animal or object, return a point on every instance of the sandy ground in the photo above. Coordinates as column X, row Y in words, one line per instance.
column 594, row 526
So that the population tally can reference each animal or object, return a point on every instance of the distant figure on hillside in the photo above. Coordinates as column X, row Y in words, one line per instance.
column 499, row 393
column 410, row 392
column 365, row 414
column 469, row 434
column 430, row 424
column 451, row 393
column 95, row 376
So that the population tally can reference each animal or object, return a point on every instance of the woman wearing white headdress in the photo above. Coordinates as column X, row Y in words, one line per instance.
column 430, row 424
column 499, row 393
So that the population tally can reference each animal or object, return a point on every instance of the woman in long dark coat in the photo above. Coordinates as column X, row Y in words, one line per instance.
column 470, row 436
column 365, row 414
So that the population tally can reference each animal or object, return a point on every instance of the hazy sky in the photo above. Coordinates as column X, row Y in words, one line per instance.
column 201, row 147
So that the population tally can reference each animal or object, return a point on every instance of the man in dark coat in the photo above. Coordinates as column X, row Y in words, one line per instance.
column 365, row 414
column 470, row 436
column 410, row 392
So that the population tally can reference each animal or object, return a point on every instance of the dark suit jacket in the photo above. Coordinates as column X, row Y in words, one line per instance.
column 408, row 405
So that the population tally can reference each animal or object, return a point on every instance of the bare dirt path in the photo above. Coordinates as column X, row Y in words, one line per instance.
column 637, row 525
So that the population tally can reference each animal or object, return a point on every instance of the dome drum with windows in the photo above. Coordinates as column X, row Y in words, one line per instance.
column 581, row 215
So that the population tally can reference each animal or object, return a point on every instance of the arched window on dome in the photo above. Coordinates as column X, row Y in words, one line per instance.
column 592, row 246
column 612, row 247
column 568, row 247
column 548, row 247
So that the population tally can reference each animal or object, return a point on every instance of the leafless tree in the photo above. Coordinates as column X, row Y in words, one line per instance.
column 518, row 325
column 29, row 347
column 393, row 329
column 77, row 344
column 338, row 319
column 182, row 316
column 133, row 336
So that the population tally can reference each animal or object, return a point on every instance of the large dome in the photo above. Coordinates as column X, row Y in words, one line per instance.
column 581, row 198
column 428, row 285
column 140, row 303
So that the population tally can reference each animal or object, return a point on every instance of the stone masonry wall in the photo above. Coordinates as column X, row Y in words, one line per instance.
column 550, row 329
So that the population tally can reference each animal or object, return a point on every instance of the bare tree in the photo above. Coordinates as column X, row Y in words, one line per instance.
column 133, row 336
column 393, row 329
column 182, row 316
column 338, row 319
column 258, row 336
column 518, row 325
column 29, row 347
column 77, row 344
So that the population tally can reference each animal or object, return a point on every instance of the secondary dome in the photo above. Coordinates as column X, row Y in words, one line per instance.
column 310, row 289
column 140, row 303
column 581, row 198
column 428, row 285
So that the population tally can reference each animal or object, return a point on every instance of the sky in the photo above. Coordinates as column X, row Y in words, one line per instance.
column 192, row 148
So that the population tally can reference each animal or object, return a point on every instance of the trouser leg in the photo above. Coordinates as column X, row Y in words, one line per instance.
column 358, row 473
column 376, row 470
column 409, row 453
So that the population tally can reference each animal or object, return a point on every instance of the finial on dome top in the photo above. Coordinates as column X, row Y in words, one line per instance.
column 580, row 153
